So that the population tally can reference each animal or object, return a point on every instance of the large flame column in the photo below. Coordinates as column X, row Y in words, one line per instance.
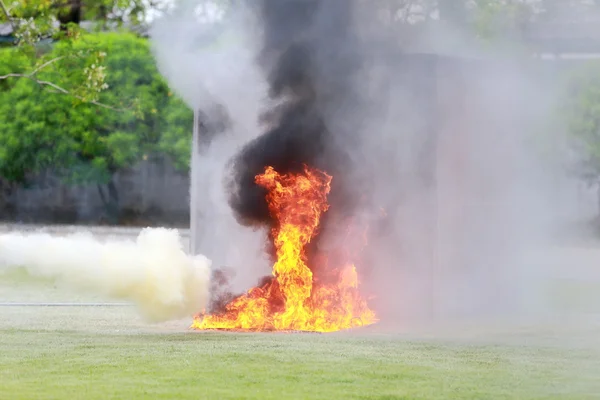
column 292, row 300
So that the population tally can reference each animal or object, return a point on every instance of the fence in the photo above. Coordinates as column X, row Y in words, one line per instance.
column 151, row 193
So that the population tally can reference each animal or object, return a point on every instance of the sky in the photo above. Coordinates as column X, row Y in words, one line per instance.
column 207, row 11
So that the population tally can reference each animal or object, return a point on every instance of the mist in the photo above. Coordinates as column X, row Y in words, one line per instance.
column 431, row 141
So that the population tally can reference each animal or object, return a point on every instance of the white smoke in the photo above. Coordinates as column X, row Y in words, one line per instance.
column 208, row 59
column 207, row 55
column 153, row 271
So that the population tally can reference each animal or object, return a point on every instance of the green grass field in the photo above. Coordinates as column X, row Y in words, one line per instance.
column 110, row 353
column 54, row 364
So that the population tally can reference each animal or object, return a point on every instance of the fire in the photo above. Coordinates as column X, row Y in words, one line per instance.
column 294, row 299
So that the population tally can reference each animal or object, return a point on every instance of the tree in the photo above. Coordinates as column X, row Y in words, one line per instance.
column 89, row 144
column 488, row 21
column 54, row 65
column 501, row 19
column 582, row 111
column 453, row 11
column 36, row 22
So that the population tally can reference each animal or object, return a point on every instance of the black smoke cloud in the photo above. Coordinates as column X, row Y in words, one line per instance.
column 310, row 61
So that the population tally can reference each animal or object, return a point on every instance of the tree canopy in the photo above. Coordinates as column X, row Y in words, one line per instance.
column 42, row 130
column 35, row 23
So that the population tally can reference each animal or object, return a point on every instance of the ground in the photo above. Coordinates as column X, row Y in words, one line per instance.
column 108, row 352
column 96, row 354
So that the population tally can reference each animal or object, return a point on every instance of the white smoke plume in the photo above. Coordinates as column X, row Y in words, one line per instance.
column 152, row 271
column 209, row 60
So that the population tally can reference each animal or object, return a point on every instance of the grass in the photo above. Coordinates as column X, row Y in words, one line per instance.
column 37, row 364
column 109, row 353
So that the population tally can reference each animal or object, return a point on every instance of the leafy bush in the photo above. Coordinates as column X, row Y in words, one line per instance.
column 43, row 129
column 583, row 116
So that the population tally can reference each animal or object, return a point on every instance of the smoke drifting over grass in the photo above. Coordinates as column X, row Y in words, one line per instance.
column 153, row 271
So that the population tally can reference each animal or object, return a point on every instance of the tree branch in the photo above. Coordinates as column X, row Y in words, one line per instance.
column 44, row 65
column 6, row 13
column 5, row 9
column 66, row 3
column 65, row 91
column 32, row 75
column 57, row 89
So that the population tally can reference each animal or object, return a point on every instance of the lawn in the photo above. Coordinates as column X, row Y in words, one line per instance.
column 49, row 364
column 110, row 353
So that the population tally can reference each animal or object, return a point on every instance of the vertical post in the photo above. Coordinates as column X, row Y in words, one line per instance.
column 423, row 89
column 430, row 171
column 194, row 216
column 452, row 187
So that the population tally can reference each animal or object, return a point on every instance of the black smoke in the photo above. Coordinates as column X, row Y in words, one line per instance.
column 310, row 61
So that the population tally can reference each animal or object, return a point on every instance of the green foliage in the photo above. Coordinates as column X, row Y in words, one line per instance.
column 176, row 126
column 41, row 13
column 35, row 20
column 43, row 128
column 118, row 11
column 499, row 20
column 582, row 105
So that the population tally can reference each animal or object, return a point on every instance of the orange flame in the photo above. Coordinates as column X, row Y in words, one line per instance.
column 292, row 300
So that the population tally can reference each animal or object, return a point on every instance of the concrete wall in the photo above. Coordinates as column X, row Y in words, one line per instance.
column 151, row 193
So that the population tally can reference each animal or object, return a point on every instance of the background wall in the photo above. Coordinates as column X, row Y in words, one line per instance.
column 151, row 193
